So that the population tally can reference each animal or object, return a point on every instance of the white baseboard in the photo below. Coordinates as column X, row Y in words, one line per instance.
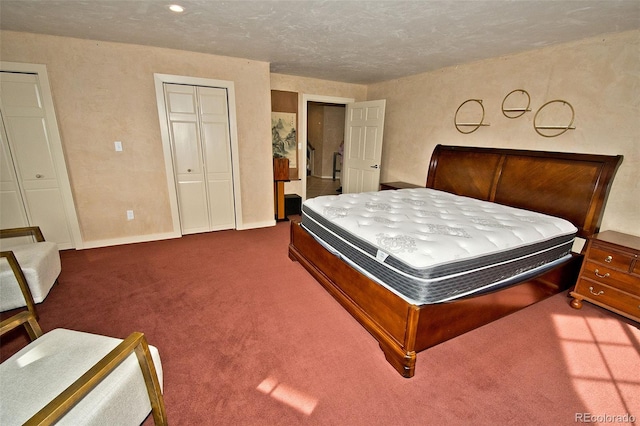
column 129, row 240
column 255, row 225
column 164, row 236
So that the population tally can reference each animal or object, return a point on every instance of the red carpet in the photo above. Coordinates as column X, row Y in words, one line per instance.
column 247, row 337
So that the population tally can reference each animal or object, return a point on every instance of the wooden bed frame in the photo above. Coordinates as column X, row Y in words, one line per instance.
column 567, row 185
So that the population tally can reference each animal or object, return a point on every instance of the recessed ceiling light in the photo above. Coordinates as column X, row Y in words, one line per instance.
column 176, row 8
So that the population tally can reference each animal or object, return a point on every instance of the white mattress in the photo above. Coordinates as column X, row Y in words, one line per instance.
column 430, row 246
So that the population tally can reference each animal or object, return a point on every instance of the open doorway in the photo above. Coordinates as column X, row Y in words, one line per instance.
column 325, row 136
column 360, row 168
column 306, row 99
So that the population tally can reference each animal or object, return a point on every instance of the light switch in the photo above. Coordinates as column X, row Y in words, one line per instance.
column 118, row 145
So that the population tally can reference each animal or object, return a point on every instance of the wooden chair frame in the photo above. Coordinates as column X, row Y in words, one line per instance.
column 59, row 406
column 28, row 231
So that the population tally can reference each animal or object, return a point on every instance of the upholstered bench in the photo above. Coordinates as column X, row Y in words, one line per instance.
column 40, row 264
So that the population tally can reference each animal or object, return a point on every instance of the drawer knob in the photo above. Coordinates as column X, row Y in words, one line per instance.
column 608, row 259
column 599, row 275
column 594, row 293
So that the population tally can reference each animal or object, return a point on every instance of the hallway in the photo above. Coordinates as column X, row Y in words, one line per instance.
column 318, row 186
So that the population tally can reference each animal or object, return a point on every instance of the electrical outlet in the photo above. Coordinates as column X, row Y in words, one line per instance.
column 118, row 145
column 129, row 214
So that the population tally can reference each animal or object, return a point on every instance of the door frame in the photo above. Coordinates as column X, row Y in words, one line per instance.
column 159, row 80
column 57, row 151
column 306, row 98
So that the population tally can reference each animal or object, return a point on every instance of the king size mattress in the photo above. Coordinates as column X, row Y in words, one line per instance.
column 429, row 246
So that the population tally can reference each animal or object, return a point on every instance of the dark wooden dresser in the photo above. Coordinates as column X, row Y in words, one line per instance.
column 397, row 185
column 610, row 274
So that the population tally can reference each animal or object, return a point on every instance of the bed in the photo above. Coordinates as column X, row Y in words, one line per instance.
column 570, row 187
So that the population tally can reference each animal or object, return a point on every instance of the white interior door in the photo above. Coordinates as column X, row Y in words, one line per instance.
column 364, row 127
column 199, row 133
column 27, row 148
column 12, row 212
column 188, row 163
column 216, row 145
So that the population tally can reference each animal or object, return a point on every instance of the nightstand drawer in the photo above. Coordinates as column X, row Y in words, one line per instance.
column 610, row 277
column 613, row 258
column 609, row 297
column 610, row 274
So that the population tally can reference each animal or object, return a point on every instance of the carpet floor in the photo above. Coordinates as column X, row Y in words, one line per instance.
column 248, row 337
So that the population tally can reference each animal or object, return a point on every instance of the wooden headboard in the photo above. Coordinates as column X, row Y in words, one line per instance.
column 567, row 185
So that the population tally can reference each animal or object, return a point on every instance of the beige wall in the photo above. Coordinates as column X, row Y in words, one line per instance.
column 334, row 118
column 312, row 86
column 105, row 92
column 600, row 77
column 315, row 137
column 325, row 130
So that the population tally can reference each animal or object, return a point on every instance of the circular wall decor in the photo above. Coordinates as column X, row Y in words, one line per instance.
column 515, row 112
column 470, row 127
column 554, row 130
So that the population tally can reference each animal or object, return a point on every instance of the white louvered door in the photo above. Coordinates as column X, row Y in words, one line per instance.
column 32, row 175
column 199, row 132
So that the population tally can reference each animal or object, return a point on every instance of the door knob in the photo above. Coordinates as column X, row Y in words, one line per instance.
column 189, row 170
column 38, row 176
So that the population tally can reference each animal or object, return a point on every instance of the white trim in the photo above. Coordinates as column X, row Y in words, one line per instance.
column 159, row 80
column 254, row 225
column 164, row 236
column 130, row 240
column 57, row 150
column 306, row 98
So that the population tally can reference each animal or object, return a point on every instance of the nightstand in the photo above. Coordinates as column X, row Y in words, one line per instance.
column 610, row 274
column 397, row 185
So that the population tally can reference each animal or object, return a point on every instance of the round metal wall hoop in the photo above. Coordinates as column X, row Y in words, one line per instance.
column 561, row 129
column 474, row 126
column 516, row 112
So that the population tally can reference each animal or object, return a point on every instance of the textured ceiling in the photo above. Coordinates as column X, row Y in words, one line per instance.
column 351, row 41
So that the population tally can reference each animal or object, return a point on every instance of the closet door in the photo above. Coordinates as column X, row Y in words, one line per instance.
column 217, row 154
column 188, row 163
column 26, row 144
column 12, row 212
column 199, row 133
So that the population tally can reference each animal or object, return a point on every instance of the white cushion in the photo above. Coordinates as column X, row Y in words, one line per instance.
column 32, row 377
column 40, row 263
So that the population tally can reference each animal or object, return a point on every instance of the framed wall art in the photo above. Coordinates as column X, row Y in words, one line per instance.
column 284, row 124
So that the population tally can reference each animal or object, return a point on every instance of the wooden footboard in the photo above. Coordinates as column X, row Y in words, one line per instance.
column 403, row 329
column 381, row 312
